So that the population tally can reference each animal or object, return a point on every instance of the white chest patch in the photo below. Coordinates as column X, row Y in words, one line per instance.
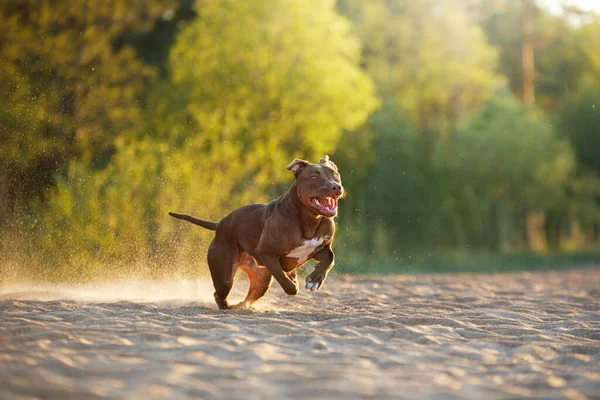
column 305, row 249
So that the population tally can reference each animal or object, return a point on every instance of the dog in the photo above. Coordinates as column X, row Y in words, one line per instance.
column 272, row 240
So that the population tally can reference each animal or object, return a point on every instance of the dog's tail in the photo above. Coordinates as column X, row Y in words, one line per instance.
column 205, row 224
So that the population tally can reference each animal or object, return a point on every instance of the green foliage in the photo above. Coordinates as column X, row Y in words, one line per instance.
column 512, row 152
column 470, row 262
column 580, row 122
column 114, row 114
column 221, row 134
column 565, row 47
column 502, row 164
column 589, row 42
column 279, row 79
column 119, row 214
column 472, row 191
column 67, row 88
column 429, row 57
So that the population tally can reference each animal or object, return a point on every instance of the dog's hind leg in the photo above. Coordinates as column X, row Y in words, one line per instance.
column 222, row 262
column 260, row 281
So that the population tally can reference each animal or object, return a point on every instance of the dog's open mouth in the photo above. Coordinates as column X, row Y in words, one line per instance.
column 326, row 205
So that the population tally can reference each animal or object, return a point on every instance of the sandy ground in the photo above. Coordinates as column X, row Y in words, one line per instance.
column 526, row 335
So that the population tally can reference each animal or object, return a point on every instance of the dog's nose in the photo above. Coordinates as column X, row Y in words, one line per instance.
column 337, row 188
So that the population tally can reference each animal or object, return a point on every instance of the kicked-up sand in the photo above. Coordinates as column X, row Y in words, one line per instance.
column 457, row 336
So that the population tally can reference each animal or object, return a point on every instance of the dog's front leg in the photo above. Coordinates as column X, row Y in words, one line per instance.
column 272, row 263
column 326, row 260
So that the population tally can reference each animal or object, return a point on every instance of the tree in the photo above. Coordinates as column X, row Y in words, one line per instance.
column 504, row 163
column 580, row 123
column 253, row 85
column 432, row 66
column 69, row 85
column 430, row 58
column 588, row 39
column 277, row 78
column 562, row 50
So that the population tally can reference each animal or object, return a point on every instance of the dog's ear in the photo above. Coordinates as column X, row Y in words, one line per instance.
column 325, row 160
column 297, row 165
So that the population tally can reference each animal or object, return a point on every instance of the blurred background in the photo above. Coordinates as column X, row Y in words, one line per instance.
column 467, row 132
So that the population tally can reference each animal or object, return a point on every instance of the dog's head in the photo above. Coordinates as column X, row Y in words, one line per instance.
column 319, row 186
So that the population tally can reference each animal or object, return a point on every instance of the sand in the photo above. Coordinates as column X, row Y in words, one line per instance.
column 458, row 336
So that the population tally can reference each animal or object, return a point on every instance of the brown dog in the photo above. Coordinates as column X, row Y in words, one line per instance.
column 281, row 236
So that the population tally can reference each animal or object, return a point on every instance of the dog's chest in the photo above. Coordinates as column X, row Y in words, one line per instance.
column 307, row 247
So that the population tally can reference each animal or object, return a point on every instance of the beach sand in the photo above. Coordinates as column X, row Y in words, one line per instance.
column 455, row 336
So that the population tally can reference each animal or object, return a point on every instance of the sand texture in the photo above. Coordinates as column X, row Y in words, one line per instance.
column 501, row 336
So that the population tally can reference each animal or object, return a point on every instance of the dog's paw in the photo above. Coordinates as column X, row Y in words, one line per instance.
column 290, row 287
column 292, row 291
column 314, row 281
column 239, row 306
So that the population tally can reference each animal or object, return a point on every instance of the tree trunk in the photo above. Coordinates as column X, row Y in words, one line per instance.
column 527, row 65
column 504, row 226
column 536, row 234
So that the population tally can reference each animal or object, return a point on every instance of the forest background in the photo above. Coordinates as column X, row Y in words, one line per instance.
column 467, row 132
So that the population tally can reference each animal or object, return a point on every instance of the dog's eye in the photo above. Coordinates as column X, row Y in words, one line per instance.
column 315, row 177
column 336, row 176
